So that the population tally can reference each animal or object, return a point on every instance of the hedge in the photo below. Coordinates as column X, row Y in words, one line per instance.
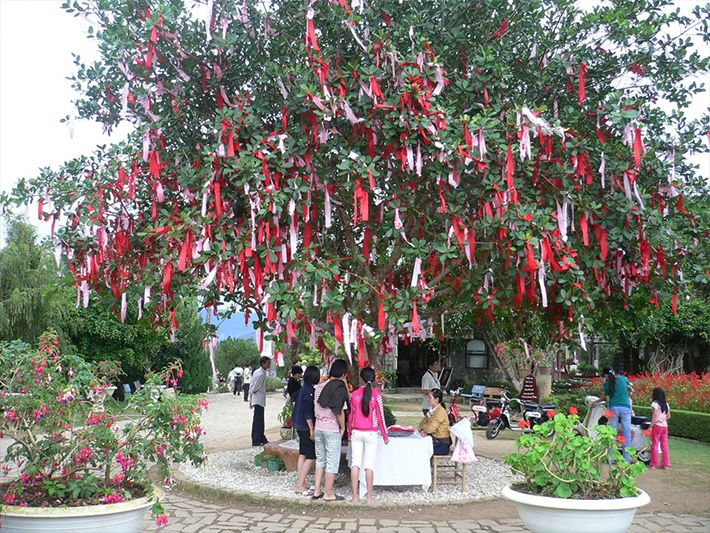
column 688, row 424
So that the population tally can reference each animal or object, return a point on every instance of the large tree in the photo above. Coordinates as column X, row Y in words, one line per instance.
column 366, row 167
column 31, row 299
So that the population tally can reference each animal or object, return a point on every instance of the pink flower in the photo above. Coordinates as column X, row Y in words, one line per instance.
column 9, row 498
column 11, row 416
column 125, row 461
column 204, row 404
column 112, row 498
column 95, row 419
column 119, row 478
column 161, row 520
column 84, row 456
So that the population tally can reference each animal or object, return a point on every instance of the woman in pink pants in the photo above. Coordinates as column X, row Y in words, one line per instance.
column 659, row 428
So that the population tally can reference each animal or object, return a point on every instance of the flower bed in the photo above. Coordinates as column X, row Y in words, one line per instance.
column 687, row 392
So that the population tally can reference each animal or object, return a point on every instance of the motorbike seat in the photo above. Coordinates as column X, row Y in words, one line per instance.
column 645, row 425
column 494, row 403
column 638, row 420
column 547, row 406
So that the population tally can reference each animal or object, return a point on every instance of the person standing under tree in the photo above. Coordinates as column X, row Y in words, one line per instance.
column 366, row 420
column 618, row 395
column 430, row 381
column 257, row 401
column 246, row 381
column 329, row 400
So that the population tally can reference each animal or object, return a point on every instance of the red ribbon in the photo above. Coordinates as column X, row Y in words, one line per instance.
column 582, row 82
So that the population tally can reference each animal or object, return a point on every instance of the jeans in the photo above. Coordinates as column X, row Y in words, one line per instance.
column 257, row 427
column 328, row 450
column 623, row 417
column 659, row 435
column 442, row 447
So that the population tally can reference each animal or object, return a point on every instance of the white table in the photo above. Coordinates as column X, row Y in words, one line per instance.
column 404, row 461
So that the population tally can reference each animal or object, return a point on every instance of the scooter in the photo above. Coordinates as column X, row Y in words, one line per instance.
column 532, row 413
column 596, row 408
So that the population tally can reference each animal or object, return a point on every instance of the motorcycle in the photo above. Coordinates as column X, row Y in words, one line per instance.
column 640, row 441
column 532, row 414
column 481, row 409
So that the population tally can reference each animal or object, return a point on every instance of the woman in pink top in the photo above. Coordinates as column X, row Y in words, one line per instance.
column 659, row 428
column 366, row 419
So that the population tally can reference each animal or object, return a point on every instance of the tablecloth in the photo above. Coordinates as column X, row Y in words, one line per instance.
column 404, row 461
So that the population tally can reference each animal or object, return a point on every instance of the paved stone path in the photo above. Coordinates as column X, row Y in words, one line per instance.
column 194, row 516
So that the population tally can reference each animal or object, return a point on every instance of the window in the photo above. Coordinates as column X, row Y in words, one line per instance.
column 476, row 354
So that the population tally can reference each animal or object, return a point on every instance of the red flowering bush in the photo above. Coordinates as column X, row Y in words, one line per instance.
column 687, row 392
column 67, row 451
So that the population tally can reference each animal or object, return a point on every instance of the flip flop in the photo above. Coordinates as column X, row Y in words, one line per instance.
column 337, row 498
column 314, row 497
column 306, row 492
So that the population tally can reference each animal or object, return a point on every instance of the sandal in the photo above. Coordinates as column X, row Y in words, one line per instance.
column 314, row 497
column 337, row 498
column 307, row 492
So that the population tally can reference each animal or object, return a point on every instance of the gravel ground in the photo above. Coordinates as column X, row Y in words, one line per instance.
column 235, row 470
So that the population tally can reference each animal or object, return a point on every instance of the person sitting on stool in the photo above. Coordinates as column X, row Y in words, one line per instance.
column 436, row 423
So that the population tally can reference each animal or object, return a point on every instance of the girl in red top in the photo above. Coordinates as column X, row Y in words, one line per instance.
column 366, row 419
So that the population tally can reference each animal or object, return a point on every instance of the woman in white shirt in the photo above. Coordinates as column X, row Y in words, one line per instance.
column 430, row 381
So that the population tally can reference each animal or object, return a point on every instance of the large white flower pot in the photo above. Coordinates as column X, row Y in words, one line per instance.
column 125, row 517
column 542, row 514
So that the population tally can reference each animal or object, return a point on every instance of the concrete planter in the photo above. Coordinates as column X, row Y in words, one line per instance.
column 124, row 517
column 542, row 514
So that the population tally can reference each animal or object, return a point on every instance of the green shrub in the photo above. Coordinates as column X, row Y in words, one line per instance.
column 563, row 402
column 687, row 424
column 390, row 419
column 587, row 370
column 274, row 384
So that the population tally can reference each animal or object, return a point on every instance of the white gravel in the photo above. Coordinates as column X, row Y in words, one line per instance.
column 235, row 470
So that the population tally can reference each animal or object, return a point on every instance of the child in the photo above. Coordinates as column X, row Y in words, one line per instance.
column 659, row 428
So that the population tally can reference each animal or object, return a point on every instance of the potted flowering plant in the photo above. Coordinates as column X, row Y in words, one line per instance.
column 285, row 417
column 574, row 482
column 73, row 466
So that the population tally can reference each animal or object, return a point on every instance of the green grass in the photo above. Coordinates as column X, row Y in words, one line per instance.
column 690, row 454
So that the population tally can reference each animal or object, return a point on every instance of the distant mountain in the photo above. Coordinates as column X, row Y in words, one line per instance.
column 234, row 327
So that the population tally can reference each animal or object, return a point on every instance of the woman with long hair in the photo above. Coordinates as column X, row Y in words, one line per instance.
column 436, row 423
column 618, row 396
column 367, row 417
column 304, row 420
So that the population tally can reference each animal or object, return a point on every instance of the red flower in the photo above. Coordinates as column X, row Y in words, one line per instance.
column 551, row 414
column 524, row 424
column 112, row 498
column 621, row 439
column 161, row 520
column 573, row 410
column 609, row 414
column 647, row 432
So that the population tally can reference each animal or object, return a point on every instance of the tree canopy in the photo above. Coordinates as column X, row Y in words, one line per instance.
column 365, row 168
column 31, row 300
